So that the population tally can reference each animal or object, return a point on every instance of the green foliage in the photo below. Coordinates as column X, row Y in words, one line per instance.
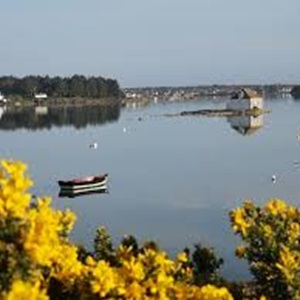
column 103, row 247
column 206, row 265
column 105, row 250
column 12, row 254
column 75, row 86
column 129, row 241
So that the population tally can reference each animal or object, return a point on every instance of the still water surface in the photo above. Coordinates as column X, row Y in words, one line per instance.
column 171, row 179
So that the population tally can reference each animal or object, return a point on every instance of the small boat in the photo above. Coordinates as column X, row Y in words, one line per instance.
column 84, row 184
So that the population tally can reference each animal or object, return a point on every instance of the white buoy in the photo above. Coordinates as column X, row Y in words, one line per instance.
column 94, row 145
column 273, row 178
column 124, row 129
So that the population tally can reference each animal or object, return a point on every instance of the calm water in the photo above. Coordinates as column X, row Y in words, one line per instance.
column 171, row 179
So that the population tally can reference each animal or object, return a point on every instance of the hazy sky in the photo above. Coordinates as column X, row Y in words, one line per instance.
column 153, row 42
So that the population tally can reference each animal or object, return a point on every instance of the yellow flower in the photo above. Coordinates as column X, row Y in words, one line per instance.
column 268, row 231
column 275, row 206
column 239, row 223
column 161, row 260
column 133, row 269
column 67, row 267
column 21, row 290
column 104, row 279
column 294, row 231
column 13, row 167
column 292, row 212
column 288, row 263
column 43, row 237
column 135, row 291
column 90, row 261
column 13, row 186
column 164, row 280
column 182, row 257
column 210, row 292
column 68, row 219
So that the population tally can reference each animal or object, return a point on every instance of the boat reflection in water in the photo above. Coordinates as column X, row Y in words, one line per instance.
column 246, row 124
column 73, row 194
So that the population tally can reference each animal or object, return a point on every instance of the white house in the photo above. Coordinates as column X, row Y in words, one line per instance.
column 245, row 99
column 41, row 96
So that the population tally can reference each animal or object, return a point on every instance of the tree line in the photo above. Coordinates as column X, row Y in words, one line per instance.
column 66, row 87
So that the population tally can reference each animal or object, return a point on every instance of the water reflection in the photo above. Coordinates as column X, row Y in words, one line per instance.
column 43, row 117
column 73, row 194
column 176, row 210
column 41, row 110
column 246, row 124
column 2, row 110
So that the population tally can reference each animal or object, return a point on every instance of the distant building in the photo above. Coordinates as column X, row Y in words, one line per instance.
column 245, row 99
column 40, row 96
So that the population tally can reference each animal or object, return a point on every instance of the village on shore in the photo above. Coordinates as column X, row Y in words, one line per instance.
column 144, row 95
column 140, row 96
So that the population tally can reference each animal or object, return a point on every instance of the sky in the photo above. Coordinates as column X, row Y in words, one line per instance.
column 153, row 43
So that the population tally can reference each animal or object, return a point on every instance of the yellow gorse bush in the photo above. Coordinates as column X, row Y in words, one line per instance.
column 40, row 263
column 271, row 237
column 14, row 184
